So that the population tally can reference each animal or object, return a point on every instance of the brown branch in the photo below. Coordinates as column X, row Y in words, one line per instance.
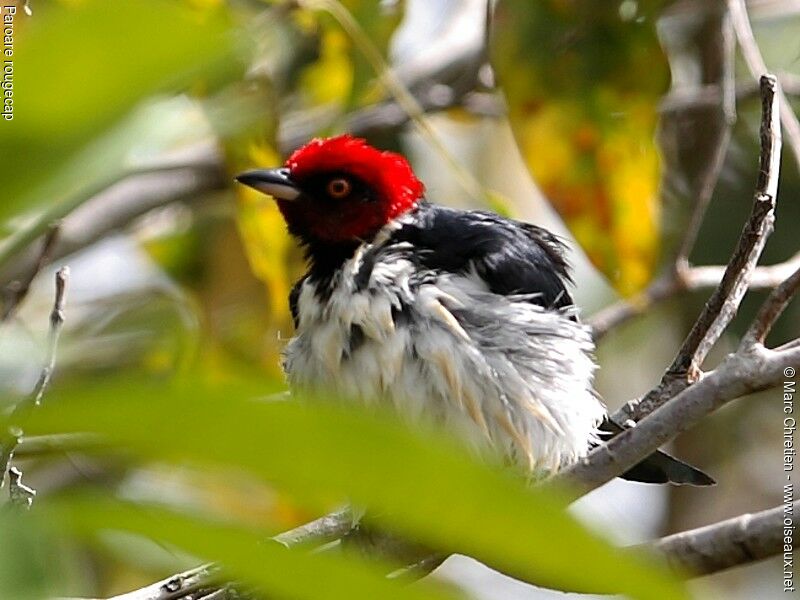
column 741, row 540
column 675, row 282
column 198, row 173
column 751, row 368
column 702, row 551
column 327, row 528
column 695, row 552
column 757, row 66
column 724, row 302
column 772, row 309
column 16, row 291
column 748, row 370
column 709, row 96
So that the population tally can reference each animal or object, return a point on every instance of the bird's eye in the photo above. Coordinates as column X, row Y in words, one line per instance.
column 339, row 188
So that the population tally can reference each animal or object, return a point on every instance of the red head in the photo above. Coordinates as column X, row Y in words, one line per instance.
column 339, row 189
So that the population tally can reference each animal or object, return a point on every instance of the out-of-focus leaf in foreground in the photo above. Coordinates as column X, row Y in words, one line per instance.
column 582, row 81
column 247, row 554
column 30, row 562
column 425, row 487
column 79, row 68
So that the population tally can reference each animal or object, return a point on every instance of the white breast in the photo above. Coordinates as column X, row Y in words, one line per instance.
column 500, row 372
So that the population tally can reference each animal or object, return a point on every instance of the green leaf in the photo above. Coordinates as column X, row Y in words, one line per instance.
column 79, row 68
column 425, row 487
column 246, row 554
column 30, row 561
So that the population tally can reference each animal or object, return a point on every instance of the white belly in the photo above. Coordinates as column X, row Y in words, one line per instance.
column 499, row 373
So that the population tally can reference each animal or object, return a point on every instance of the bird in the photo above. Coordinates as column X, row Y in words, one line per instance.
column 461, row 319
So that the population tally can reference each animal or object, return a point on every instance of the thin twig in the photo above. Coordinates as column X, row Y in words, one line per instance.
column 771, row 309
column 690, row 279
column 320, row 531
column 757, row 66
column 56, row 325
column 725, row 49
column 18, row 493
column 9, row 441
column 708, row 96
column 724, row 302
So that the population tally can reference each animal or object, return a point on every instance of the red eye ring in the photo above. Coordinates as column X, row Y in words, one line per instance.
column 339, row 188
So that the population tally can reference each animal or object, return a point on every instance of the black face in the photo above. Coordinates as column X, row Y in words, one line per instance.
column 334, row 206
column 326, row 206
column 333, row 189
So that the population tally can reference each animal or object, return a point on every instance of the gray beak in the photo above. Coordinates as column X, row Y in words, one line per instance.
column 274, row 182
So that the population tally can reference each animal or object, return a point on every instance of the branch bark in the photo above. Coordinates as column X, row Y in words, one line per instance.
column 689, row 278
column 726, row 544
column 199, row 172
column 749, row 370
column 724, row 302
column 10, row 438
column 757, row 66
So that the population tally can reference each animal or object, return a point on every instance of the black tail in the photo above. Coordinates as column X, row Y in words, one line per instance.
column 660, row 467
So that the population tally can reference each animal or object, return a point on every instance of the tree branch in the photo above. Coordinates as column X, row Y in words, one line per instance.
column 724, row 302
column 16, row 291
column 320, row 531
column 689, row 279
column 741, row 540
column 748, row 370
column 111, row 208
column 10, row 439
column 756, row 65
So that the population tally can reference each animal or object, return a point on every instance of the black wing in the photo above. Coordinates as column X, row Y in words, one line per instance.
column 510, row 256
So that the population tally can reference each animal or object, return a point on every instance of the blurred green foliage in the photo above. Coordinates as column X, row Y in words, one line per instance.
column 80, row 68
column 106, row 87
column 421, row 485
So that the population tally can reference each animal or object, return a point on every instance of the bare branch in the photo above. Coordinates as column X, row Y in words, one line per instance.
column 675, row 282
column 19, row 494
column 320, row 531
column 708, row 96
column 9, row 441
column 16, row 291
column 724, row 302
column 177, row 586
column 695, row 552
column 763, row 278
column 771, row 309
column 112, row 208
column 741, row 540
column 757, row 66
column 745, row 372
column 325, row 529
